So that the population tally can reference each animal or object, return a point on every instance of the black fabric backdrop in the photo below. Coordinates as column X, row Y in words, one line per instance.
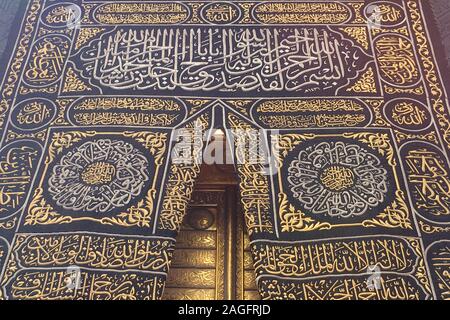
column 336, row 111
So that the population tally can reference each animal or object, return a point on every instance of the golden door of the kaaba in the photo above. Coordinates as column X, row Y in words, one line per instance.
column 212, row 257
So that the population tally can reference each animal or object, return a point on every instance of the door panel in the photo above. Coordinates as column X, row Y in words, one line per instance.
column 197, row 269
column 212, row 258
column 246, row 283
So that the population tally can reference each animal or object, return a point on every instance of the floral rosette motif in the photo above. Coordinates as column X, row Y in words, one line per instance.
column 338, row 179
column 99, row 176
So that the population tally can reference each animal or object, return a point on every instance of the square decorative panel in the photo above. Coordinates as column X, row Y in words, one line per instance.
column 105, row 177
column 340, row 180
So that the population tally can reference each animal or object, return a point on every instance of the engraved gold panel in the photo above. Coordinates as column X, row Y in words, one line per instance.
column 209, row 264
column 194, row 258
column 189, row 294
column 246, row 288
column 196, row 240
column 252, row 295
column 191, row 278
column 197, row 269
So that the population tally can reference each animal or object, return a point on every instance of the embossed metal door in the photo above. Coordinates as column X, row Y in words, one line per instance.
column 212, row 258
